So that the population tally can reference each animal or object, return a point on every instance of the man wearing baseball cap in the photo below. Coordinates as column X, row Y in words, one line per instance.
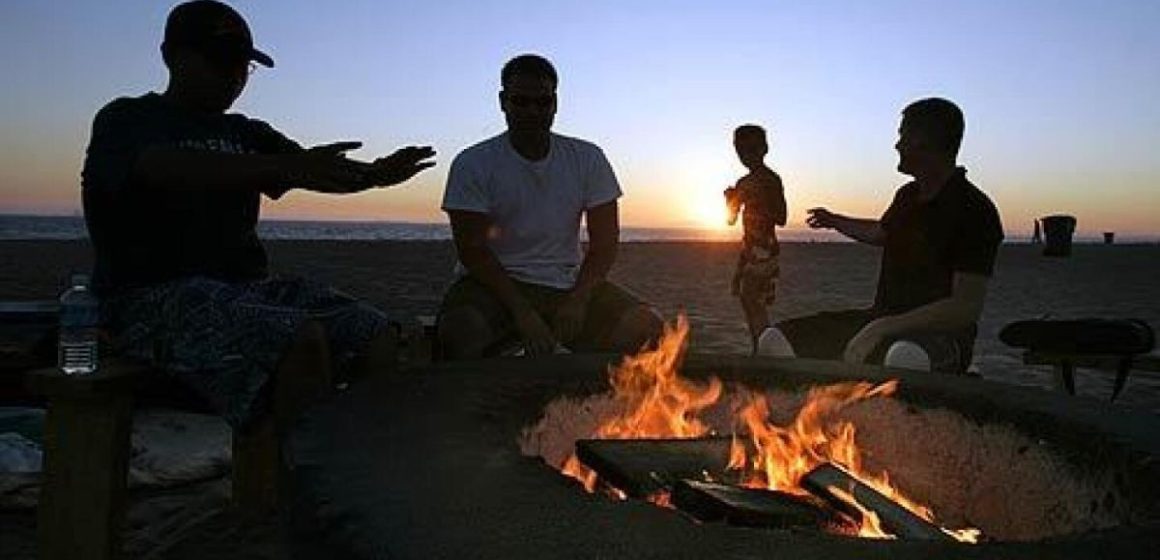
column 172, row 185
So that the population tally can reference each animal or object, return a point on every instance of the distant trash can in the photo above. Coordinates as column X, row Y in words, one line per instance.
column 1109, row 237
column 1057, row 231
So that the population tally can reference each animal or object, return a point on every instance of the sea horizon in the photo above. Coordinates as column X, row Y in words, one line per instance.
column 30, row 227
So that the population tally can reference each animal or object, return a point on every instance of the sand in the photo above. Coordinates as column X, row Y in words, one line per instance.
column 408, row 278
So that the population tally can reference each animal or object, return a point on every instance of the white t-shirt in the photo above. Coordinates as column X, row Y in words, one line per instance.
column 535, row 206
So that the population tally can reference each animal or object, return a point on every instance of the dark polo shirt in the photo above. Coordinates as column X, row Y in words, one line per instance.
column 145, row 236
column 927, row 242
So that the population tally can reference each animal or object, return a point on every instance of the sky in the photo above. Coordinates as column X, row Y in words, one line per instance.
column 1060, row 96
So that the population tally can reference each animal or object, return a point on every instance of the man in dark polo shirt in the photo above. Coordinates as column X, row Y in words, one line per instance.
column 172, row 187
column 939, row 236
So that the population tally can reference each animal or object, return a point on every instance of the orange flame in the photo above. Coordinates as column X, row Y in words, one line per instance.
column 655, row 402
column 784, row 455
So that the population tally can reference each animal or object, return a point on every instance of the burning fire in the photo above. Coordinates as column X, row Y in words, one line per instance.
column 657, row 403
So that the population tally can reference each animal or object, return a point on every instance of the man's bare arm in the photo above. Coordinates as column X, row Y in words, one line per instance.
column 176, row 169
column 603, row 238
column 603, row 242
column 469, row 230
column 859, row 229
column 960, row 310
column 320, row 169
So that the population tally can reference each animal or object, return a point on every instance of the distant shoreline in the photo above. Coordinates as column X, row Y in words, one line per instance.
column 37, row 227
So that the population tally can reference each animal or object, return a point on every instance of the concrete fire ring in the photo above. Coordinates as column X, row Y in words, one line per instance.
column 425, row 464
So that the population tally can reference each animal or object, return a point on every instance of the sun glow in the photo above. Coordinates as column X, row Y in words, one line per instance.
column 705, row 209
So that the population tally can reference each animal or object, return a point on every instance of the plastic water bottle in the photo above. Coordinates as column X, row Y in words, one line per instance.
column 79, row 319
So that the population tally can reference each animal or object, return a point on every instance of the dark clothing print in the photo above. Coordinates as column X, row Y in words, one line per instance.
column 223, row 340
column 757, row 278
column 926, row 243
column 144, row 236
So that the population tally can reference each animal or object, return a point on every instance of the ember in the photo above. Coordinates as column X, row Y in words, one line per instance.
column 651, row 400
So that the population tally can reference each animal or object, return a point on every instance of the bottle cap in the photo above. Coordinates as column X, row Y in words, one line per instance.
column 80, row 279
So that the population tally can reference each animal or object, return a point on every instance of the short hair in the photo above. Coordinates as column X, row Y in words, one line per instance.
column 532, row 65
column 751, row 130
column 940, row 120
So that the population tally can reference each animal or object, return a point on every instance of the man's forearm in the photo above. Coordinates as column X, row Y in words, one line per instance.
column 866, row 231
column 959, row 310
column 597, row 264
column 483, row 266
column 946, row 314
column 189, row 170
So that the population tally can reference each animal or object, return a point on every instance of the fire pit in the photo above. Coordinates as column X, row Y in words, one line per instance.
column 429, row 464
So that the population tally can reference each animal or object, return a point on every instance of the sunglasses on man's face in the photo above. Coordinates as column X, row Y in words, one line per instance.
column 529, row 101
column 230, row 57
column 232, row 65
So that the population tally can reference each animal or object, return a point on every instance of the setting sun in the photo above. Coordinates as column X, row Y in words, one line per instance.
column 707, row 210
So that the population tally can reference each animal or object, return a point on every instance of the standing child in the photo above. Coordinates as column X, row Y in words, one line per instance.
column 760, row 200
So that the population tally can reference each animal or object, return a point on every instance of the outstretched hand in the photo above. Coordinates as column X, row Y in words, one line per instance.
column 820, row 218
column 326, row 169
column 401, row 165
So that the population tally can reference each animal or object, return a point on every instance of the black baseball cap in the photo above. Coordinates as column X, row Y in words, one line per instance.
column 214, row 29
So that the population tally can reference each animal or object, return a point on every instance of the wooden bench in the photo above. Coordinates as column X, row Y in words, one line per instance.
column 86, row 459
column 87, row 439
column 1065, row 366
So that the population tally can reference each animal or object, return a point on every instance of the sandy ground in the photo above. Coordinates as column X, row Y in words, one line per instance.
column 408, row 278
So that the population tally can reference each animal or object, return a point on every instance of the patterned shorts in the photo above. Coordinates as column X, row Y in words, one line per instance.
column 759, row 279
column 225, row 340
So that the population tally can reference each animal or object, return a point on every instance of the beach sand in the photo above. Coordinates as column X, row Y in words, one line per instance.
column 407, row 279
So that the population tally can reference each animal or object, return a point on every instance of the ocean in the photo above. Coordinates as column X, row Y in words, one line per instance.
column 32, row 227
column 28, row 227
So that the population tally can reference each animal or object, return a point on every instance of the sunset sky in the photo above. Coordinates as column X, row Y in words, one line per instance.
column 1060, row 95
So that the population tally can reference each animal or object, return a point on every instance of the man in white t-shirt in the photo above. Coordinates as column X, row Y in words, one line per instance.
column 515, row 202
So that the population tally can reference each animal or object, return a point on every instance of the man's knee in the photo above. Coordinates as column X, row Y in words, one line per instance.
column 463, row 333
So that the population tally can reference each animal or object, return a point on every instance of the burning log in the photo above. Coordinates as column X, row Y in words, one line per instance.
column 736, row 505
column 641, row 467
column 849, row 495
